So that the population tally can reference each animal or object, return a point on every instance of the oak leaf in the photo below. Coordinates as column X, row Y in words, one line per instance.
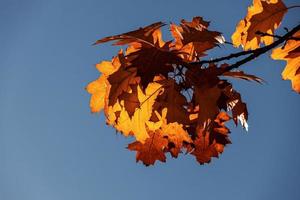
column 147, row 56
column 153, row 149
column 291, row 54
column 130, row 99
column 99, row 88
column 230, row 100
column 176, row 136
column 174, row 101
column 263, row 16
column 134, row 121
column 175, row 133
column 193, row 39
column 211, row 143
column 144, row 113
column 153, row 61
column 120, row 82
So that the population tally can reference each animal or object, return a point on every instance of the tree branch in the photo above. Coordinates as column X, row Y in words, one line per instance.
column 276, row 36
column 230, row 56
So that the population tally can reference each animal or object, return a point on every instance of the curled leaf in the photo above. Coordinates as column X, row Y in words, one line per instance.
column 242, row 75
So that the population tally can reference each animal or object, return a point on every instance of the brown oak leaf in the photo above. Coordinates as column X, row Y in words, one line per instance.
column 153, row 149
column 211, row 143
column 193, row 38
column 120, row 82
column 175, row 102
column 230, row 100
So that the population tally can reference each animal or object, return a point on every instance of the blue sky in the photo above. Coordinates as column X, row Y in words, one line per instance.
column 52, row 147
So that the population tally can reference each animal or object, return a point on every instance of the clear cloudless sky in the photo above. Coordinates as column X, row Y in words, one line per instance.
column 53, row 148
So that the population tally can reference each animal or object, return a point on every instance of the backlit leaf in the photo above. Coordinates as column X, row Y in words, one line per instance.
column 152, row 150
column 193, row 39
column 291, row 54
column 263, row 16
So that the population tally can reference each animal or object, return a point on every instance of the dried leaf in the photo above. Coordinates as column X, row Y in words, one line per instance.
column 291, row 54
column 242, row 75
column 151, row 62
column 152, row 150
column 100, row 87
column 176, row 136
column 193, row 39
column 97, row 89
column 230, row 100
column 120, row 82
column 211, row 143
column 142, row 35
column 173, row 101
column 264, row 16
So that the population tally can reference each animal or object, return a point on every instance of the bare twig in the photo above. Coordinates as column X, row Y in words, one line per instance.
column 230, row 56
column 276, row 36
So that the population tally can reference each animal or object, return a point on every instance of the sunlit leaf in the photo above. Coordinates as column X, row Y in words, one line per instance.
column 263, row 16
column 193, row 39
column 152, row 150
column 291, row 54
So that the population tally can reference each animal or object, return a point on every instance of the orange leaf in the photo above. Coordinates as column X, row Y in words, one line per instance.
column 291, row 54
column 152, row 150
column 211, row 143
column 264, row 16
column 134, row 121
column 173, row 101
column 99, row 88
column 177, row 136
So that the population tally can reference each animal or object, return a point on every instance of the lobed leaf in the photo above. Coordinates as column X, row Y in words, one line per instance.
column 263, row 16
column 291, row 54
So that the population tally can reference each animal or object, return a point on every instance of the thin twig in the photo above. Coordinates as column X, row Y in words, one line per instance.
column 276, row 36
column 230, row 56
